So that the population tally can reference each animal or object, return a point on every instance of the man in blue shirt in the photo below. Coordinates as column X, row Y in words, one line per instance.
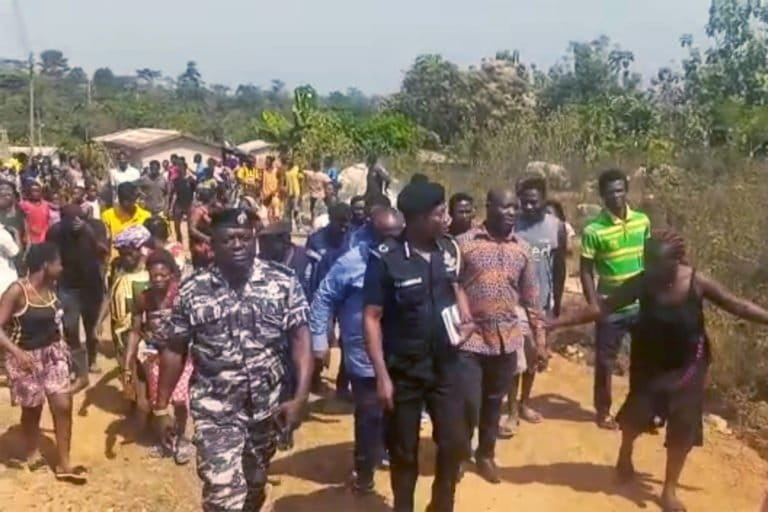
column 323, row 248
column 328, row 243
column 332, row 171
column 341, row 293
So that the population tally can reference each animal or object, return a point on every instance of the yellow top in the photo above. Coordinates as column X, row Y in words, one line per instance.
column 248, row 175
column 269, row 183
column 117, row 221
column 293, row 179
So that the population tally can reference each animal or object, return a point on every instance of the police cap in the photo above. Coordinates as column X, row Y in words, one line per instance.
column 420, row 198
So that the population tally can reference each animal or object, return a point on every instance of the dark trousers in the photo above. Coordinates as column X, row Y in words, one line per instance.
column 342, row 379
column 85, row 303
column 369, row 427
column 436, row 385
column 609, row 334
column 486, row 379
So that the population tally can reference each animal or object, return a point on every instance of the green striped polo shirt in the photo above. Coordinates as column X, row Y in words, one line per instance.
column 616, row 246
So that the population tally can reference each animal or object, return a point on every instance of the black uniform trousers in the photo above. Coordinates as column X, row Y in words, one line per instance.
column 434, row 383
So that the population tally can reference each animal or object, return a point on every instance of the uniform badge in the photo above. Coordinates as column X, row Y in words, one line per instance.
column 449, row 260
column 241, row 218
column 273, row 288
column 383, row 249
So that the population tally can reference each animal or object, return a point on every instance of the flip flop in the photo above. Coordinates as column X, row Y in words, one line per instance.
column 607, row 422
column 77, row 476
column 508, row 429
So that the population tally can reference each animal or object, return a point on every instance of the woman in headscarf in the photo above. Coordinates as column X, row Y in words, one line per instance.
column 670, row 352
column 131, row 280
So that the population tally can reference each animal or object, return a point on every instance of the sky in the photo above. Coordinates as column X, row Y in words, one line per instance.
column 335, row 44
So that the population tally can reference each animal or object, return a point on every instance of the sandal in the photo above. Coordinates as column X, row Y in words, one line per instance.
column 183, row 451
column 607, row 422
column 76, row 476
column 508, row 429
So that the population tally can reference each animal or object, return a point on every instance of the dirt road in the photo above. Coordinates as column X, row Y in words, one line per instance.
column 563, row 464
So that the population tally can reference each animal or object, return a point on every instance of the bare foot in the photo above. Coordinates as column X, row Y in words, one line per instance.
column 530, row 415
column 670, row 502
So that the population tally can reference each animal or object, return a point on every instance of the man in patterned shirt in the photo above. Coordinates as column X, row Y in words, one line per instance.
column 241, row 320
column 497, row 274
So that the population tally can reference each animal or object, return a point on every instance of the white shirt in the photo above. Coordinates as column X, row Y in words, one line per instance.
column 116, row 176
column 8, row 251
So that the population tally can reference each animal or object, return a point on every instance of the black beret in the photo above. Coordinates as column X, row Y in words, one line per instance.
column 420, row 197
column 233, row 218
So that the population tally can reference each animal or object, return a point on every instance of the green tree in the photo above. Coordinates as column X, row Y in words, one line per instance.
column 589, row 71
column 147, row 77
column 189, row 84
column 53, row 64
column 434, row 94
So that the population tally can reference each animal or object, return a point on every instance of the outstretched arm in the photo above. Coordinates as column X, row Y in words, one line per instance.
column 624, row 295
column 730, row 302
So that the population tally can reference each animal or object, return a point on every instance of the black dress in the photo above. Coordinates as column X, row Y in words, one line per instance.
column 668, row 367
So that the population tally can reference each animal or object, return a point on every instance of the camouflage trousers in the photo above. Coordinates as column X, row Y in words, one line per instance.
column 233, row 456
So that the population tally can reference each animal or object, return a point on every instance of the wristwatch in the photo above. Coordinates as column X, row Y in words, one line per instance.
column 162, row 412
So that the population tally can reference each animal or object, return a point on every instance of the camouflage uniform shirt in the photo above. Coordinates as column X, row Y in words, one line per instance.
column 238, row 339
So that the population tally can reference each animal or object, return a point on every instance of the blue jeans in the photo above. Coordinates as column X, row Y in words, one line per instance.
column 369, row 427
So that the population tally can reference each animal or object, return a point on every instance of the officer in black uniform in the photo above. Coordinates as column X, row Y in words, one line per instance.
column 408, row 283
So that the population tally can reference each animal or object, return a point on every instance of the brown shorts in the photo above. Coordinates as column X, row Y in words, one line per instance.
column 49, row 376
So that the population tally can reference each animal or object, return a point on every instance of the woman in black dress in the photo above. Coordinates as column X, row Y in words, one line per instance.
column 670, row 352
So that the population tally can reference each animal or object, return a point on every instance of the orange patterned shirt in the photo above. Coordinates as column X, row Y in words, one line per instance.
column 498, row 276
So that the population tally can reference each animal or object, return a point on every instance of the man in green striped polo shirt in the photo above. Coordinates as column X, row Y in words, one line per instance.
column 612, row 247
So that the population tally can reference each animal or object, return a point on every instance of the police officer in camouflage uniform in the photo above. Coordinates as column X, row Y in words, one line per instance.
column 409, row 282
column 241, row 320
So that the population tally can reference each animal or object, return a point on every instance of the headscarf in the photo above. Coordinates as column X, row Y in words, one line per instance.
column 134, row 236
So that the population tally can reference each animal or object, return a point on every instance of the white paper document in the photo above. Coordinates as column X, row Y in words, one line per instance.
column 452, row 321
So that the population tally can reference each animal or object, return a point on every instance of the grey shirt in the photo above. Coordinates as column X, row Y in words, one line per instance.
column 543, row 237
column 155, row 193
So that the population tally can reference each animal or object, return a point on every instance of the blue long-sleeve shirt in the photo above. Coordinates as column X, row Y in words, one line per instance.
column 323, row 254
column 341, row 293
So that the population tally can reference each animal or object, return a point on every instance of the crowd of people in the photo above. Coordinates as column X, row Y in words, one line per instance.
column 231, row 323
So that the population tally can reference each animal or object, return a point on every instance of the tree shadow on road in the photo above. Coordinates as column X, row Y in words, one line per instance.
column 553, row 406
column 587, row 477
column 104, row 395
column 338, row 498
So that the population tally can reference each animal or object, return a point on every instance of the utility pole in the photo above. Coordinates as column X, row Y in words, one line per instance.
column 31, row 105
column 88, row 94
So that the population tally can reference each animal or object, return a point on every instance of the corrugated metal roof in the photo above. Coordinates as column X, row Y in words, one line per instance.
column 138, row 138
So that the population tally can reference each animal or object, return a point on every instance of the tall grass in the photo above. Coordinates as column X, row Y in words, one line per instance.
column 717, row 200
